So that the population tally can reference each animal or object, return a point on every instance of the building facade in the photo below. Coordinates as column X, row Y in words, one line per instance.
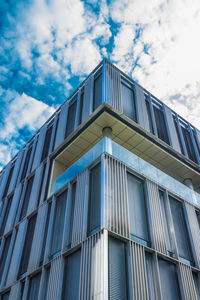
column 104, row 201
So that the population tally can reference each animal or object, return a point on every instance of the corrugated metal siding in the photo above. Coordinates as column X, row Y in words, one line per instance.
column 15, row 292
column 187, row 282
column 116, row 211
column 194, row 227
column 113, row 86
column 138, row 264
column 54, row 278
column 88, row 98
column 157, row 221
column 172, row 129
column 142, row 110
column 39, row 147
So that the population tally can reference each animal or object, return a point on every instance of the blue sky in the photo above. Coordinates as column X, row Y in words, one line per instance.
column 48, row 47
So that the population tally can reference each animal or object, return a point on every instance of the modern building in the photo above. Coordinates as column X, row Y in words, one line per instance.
column 104, row 201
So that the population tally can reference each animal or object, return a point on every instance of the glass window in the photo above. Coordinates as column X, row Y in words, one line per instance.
column 71, row 118
column 5, row 296
column 47, row 143
column 45, row 234
column 97, row 92
column 22, row 290
column 160, row 124
column 26, row 198
column 196, row 142
column 179, row 137
column 8, row 181
column 128, row 102
column 149, row 117
column 34, row 286
column 71, row 277
column 168, row 280
column 188, row 144
column 4, row 255
column 8, row 203
column 137, row 208
column 25, row 166
column 72, row 213
column 198, row 217
column 150, row 276
column 95, row 199
column 27, row 246
column 81, row 107
column 180, row 228
column 58, row 223
column 165, row 221
column 117, row 270
column 46, row 284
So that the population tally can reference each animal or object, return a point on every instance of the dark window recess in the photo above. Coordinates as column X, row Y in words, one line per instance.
column 198, row 217
column 71, row 279
column 160, row 124
column 169, row 280
column 180, row 228
column 5, row 296
column 128, row 102
column 58, row 224
column 8, row 203
column 97, row 92
column 179, row 137
column 188, row 144
column 165, row 222
column 81, row 108
column 137, row 208
column 41, row 184
column 72, row 214
column 25, row 166
column 71, row 118
column 46, row 284
column 34, row 286
column 27, row 246
column 45, row 234
column 94, row 199
column 26, row 198
column 196, row 142
column 117, row 270
column 4, row 255
column 149, row 117
column 22, row 289
column 150, row 276
column 47, row 143
column 8, row 181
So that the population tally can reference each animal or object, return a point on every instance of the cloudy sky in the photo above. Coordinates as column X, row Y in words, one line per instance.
column 48, row 47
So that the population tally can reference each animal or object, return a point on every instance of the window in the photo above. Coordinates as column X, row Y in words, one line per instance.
column 149, row 117
column 97, row 91
column 47, row 142
column 71, row 117
column 45, row 234
column 34, row 285
column 179, row 137
column 7, row 203
column 81, row 107
column 137, row 209
column 26, row 198
column 94, row 200
column 71, row 279
column 150, row 276
column 58, row 224
column 117, row 270
column 27, row 246
column 128, row 101
column 198, row 217
column 4, row 255
column 8, row 180
column 180, row 228
column 26, row 163
column 5, row 296
column 22, row 289
column 196, row 142
column 188, row 143
column 168, row 280
column 72, row 213
column 46, row 284
column 165, row 221
column 160, row 124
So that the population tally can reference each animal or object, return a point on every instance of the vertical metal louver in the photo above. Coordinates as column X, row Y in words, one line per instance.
column 157, row 219
column 34, row 286
column 88, row 98
column 113, row 86
column 15, row 291
column 138, row 266
column 187, row 282
column 54, row 278
column 116, row 211
column 142, row 109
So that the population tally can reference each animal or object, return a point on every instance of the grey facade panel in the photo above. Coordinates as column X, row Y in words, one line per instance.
column 187, row 282
column 16, row 171
column 55, row 278
column 4, row 180
column 142, row 110
column 15, row 291
column 34, row 196
column 60, row 134
column 39, row 147
column 88, row 98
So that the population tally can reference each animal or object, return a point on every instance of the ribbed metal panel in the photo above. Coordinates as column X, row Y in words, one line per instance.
column 60, row 134
column 79, row 208
column 33, row 200
column 113, row 86
column 138, row 265
column 116, row 211
column 172, row 129
column 188, row 282
column 15, row 292
column 142, row 110
column 54, row 278
column 16, row 171
column 34, row 259
column 194, row 227
column 157, row 221
column 4, row 180
column 94, row 279
column 39, row 147
column 88, row 98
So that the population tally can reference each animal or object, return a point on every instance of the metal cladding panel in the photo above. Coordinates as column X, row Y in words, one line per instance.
column 15, row 291
column 54, row 278
column 113, row 86
column 33, row 200
column 142, row 110
column 172, row 129
column 51, row 144
column 16, row 171
column 138, row 265
column 194, row 227
column 76, row 123
column 44, row 183
column 34, row 258
column 88, row 98
column 187, row 282
column 80, row 202
column 116, row 211
column 94, row 273
column 157, row 222
column 39, row 147
column 4, row 180
column 17, row 252
column 60, row 134
column 13, row 209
